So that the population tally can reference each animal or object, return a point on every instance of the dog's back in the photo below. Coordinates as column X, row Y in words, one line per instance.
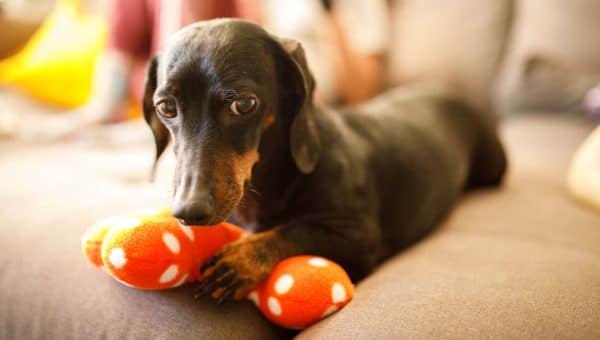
column 424, row 149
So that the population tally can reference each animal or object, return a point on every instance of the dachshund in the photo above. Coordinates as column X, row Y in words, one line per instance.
column 354, row 185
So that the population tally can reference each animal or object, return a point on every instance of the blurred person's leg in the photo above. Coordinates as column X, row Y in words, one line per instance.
column 129, row 34
column 130, row 31
column 110, row 88
column 137, row 30
column 345, row 43
column 361, row 31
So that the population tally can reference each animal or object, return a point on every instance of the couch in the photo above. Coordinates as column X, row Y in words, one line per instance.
column 520, row 261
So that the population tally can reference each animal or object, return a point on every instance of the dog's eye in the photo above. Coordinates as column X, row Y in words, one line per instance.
column 243, row 105
column 167, row 109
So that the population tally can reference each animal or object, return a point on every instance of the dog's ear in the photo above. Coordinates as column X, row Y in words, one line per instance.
column 160, row 132
column 305, row 143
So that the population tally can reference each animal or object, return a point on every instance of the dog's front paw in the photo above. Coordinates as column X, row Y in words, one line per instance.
column 237, row 269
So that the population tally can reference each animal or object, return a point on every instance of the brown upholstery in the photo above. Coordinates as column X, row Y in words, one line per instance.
column 50, row 195
column 520, row 261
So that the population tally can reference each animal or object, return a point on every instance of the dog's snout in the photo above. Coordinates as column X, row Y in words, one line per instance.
column 196, row 210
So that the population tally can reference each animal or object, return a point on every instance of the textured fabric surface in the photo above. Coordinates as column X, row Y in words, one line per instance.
column 562, row 34
column 50, row 195
column 521, row 262
column 517, row 262
column 459, row 41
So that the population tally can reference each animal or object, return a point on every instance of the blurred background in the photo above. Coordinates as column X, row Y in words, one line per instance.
column 81, row 63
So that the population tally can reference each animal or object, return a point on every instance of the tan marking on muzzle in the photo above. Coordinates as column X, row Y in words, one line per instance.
column 243, row 166
column 230, row 173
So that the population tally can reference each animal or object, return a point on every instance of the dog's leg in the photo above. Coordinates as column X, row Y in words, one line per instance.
column 240, row 266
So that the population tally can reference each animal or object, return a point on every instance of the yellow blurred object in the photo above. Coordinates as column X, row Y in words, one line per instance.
column 57, row 64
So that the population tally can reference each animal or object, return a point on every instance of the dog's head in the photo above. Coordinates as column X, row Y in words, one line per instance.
column 215, row 89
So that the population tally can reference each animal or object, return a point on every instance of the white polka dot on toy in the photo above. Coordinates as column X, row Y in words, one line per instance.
column 171, row 242
column 169, row 274
column 117, row 257
column 253, row 296
column 181, row 281
column 318, row 262
column 303, row 289
column 284, row 283
column 157, row 254
column 338, row 293
column 187, row 231
column 274, row 306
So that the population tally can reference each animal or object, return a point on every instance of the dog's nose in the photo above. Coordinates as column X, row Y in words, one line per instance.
column 196, row 211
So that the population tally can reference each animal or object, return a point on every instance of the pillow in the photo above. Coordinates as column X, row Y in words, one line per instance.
column 458, row 41
column 553, row 57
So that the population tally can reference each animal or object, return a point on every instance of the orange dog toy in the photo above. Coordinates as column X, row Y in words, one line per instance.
column 301, row 290
column 151, row 250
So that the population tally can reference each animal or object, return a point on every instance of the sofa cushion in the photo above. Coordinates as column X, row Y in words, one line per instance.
column 50, row 195
column 460, row 41
column 515, row 262
column 522, row 261
column 553, row 56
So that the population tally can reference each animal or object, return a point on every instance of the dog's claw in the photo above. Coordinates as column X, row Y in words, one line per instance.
column 225, row 296
column 229, row 292
column 219, row 277
column 200, row 286
column 207, row 288
column 235, row 270
column 201, row 291
column 211, row 262
column 226, row 280
column 216, row 273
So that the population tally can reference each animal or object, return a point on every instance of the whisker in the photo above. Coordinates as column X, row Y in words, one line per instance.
column 254, row 190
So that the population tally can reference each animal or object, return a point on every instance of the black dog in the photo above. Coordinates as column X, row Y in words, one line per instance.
column 354, row 186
